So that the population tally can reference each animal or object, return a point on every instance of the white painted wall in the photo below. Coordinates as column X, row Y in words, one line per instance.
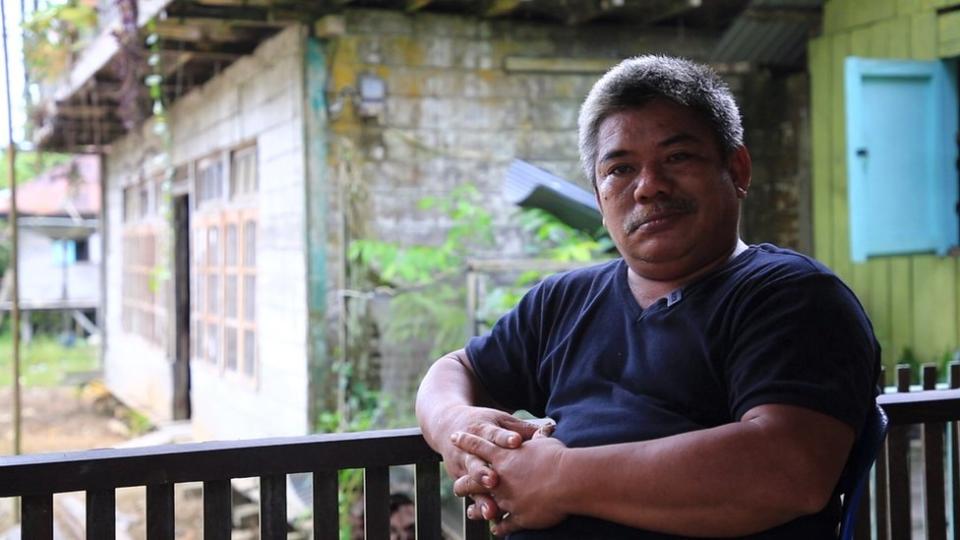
column 41, row 275
column 258, row 98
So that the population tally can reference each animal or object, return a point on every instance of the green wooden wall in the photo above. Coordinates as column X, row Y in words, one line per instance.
column 913, row 301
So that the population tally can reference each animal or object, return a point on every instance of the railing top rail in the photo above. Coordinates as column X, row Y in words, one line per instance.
column 920, row 407
column 111, row 468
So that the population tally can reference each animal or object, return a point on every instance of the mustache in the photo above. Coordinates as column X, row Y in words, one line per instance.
column 656, row 210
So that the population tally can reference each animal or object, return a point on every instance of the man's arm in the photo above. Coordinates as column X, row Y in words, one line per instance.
column 451, row 399
column 778, row 463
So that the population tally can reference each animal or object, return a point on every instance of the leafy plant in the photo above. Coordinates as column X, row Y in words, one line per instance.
column 52, row 36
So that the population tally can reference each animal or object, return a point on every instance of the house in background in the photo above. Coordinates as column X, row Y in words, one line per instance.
column 884, row 121
column 59, row 243
column 290, row 129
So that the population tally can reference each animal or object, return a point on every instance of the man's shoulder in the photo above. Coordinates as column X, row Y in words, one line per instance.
column 767, row 261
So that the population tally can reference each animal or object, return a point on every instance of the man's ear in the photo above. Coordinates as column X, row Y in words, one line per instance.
column 740, row 166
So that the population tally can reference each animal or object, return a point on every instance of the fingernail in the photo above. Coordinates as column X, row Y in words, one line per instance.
column 513, row 439
column 484, row 508
column 455, row 437
column 486, row 480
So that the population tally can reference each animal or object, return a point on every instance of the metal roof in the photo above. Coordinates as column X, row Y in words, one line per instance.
column 771, row 33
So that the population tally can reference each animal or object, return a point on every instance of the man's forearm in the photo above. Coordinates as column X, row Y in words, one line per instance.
column 736, row 479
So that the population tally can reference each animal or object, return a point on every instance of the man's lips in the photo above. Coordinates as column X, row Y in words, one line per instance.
column 650, row 219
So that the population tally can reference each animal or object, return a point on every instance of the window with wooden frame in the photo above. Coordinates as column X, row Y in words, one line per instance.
column 209, row 180
column 224, row 277
column 143, row 302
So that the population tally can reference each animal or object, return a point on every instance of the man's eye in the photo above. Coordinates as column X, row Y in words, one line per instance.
column 620, row 170
column 678, row 156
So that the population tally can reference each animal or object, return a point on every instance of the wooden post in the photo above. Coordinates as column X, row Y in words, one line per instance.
column 15, row 280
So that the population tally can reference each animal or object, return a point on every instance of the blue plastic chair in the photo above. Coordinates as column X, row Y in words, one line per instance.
column 857, row 472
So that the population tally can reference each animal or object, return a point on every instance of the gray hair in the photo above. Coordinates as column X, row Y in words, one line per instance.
column 635, row 81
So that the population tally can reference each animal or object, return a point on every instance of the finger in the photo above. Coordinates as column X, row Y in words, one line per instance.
column 504, row 527
column 480, row 471
column 473, row 512
column 513, row 425
column 487, row 507
column 467, row 486
column 474, row 445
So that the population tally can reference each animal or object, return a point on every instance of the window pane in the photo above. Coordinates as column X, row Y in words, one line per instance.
column 198, row 296
column 249, row 298
column 213, row 343
column 231, row 348
column 197, row 351
column 230, row 296
column 199, row 248
column 231, row 247
column 249, row 352
column 213, row 295
column 250, row 243
column 213, row 246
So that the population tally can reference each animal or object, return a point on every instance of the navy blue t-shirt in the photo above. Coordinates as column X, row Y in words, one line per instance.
column 770, row 326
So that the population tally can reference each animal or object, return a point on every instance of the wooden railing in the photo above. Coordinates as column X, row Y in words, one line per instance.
column 925, row 422
column 99, row 473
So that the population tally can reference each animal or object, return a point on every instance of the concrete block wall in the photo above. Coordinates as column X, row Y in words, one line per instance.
column 457, row 113
column 257, row 99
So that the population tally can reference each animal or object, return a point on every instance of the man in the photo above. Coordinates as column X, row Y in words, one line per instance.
column 700, row 387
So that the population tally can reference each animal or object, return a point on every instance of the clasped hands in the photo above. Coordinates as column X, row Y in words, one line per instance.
column 508, row 467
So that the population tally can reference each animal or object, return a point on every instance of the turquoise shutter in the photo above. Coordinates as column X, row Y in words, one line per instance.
column 901, row 156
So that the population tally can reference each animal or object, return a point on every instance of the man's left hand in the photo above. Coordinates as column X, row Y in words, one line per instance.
column 528, row 476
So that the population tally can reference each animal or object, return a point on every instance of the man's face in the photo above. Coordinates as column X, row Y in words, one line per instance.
column 668, row 196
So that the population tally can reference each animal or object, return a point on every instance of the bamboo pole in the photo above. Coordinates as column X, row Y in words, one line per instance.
column 15, row 279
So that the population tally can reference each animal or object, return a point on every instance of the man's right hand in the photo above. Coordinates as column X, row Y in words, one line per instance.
column 498, row 427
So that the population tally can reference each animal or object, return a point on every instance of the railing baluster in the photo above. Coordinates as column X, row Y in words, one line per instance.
column 474, row 529
column 37, row 519
column 933, row 467
column 217, row 510
column 881, row 485
column 955, row 457
column 428, row 500
column 102, row 514
column 326, row 508
column 898, row 469
column 160, row 523
column 376, row 503
column 273, row 507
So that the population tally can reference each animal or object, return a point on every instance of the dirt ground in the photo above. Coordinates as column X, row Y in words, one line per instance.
column 57, row 419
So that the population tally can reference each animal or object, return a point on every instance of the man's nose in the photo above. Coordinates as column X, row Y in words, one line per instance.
column 652, row 183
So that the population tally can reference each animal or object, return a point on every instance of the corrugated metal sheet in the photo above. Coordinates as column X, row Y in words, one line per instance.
column 770, row 33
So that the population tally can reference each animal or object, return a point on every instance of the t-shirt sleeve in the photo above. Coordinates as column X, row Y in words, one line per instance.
column 505, row 360
column 804, row 341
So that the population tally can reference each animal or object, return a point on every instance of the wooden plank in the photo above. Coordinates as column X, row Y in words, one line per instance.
column 901, row 308
column 108, row 468
column 878, row 307
column 933, row 476
column 101, row 514
column 923, row 36
column 934, row 319
column 326, row 508
column 918, row 407
column 217, row 510
column 882, row 484
column 273, row 507
column 160, row 517
column 948, row 34
column 841, row 259
column 898, row 469
column 428, row 500
column 376, row 502
column 474, row 529
column 821, row 114
column 37, row 518
column 898, row 33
